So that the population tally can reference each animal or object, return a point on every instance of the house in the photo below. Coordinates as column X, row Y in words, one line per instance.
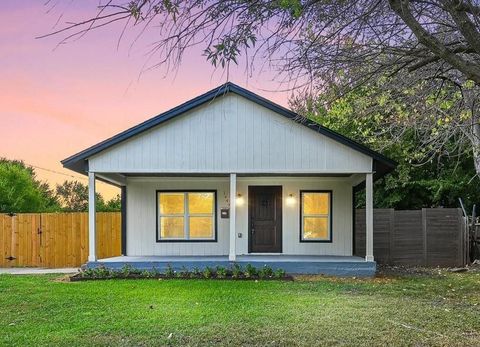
column 230, row 176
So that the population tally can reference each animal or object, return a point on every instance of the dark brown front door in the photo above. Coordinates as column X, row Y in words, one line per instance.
column 265, row 219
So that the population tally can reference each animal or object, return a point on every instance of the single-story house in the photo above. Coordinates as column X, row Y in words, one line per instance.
column 230, row 176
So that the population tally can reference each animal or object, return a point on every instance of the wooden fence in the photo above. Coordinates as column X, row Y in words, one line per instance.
column 56, row 239
column 427, row 237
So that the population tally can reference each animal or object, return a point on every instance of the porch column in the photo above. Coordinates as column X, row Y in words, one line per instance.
column 369, row 216
column 233, row 235
column 92, row 235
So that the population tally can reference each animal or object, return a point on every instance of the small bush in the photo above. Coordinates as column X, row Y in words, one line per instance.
column 265, row 272
column 102, row 272
column 196, row 273
column 221, row 272
column 279, row 273
column 236, row 271
column 87, row 273
column 207, row 273
column 154, row 272
column 250, row 271
column 169, row 272
column 183, row 273
column 146, row 274
column 126, row 270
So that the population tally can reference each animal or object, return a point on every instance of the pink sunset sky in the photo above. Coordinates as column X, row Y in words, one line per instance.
column 56, row 101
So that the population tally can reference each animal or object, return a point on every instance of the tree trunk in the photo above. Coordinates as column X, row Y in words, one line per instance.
column 476, row 143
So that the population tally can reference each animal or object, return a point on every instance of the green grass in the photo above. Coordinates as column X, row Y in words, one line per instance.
column 422, row 310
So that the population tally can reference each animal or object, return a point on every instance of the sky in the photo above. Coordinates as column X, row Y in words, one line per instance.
column 56, row 100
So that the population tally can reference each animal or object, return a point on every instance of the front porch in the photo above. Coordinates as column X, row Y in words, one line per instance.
column 344, row 266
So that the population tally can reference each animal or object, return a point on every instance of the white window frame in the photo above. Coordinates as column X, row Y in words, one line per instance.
column 186, row 216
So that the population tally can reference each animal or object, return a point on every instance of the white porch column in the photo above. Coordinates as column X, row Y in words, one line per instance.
column 92, row 235
column 233, row 235
column 369, row 216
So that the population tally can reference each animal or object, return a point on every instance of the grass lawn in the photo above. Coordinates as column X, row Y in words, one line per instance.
column 415, row 310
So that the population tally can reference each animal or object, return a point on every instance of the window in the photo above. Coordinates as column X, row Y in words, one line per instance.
column 186, row 216
column 316, row 216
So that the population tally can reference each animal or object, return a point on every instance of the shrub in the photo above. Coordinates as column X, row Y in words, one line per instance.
column 126, row 270
column 196, row 273
column 265, row 272
column 250, row 271
column 207, row 272
column 145, row 274
column 279, row 273
column 101, row 272
column 221, row 272
column 88, row 273
column 169, row 272
column 183, row 273
column 154, row 272
column 236, row 271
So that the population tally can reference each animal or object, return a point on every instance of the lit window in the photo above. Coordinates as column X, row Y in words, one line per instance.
column 316, row 213
column 186, row 216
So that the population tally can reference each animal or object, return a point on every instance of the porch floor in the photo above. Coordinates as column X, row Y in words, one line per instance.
column 293, row 264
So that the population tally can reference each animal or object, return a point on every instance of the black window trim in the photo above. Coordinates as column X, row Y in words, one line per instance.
column 157, row 234
column 330, row 193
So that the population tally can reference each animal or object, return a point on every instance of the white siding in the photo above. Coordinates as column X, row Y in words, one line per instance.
column 141, row 216
column 230, row 134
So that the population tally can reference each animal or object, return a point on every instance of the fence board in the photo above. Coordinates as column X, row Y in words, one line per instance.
column 56, row 239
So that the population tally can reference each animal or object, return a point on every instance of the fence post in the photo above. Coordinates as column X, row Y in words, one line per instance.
column 391, row 236
column 424, row 233
column 463, row 239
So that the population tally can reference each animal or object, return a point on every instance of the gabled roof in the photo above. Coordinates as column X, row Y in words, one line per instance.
column 77, row 162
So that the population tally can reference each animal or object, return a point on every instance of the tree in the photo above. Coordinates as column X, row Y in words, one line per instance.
column 20, row 191
column 112, row 205
column 426, row 51
column 73, row 196
column 438, row 182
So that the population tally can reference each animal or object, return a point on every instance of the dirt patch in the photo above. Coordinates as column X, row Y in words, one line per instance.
column 418, row 271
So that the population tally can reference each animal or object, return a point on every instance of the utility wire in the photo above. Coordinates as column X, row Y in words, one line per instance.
column 59, row 173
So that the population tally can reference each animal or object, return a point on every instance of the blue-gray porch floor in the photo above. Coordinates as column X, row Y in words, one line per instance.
column 343, row 266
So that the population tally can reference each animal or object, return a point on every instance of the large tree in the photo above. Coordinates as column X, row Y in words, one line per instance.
column 21, row 191
column 439, row 181
column 425, row 52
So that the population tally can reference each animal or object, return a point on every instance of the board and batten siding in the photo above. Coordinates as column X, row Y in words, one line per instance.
column 230, row 134
column 141, row 216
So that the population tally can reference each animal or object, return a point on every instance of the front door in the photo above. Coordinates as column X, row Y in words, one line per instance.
column 265, row 219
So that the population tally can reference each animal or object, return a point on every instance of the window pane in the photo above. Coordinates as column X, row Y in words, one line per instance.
column 171, row 203
column 172, row 228
column 201, row 227
column 315, row 228
column 200, row 203
column 315, row 203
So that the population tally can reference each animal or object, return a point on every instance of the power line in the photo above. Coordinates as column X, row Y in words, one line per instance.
column 58, row 172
